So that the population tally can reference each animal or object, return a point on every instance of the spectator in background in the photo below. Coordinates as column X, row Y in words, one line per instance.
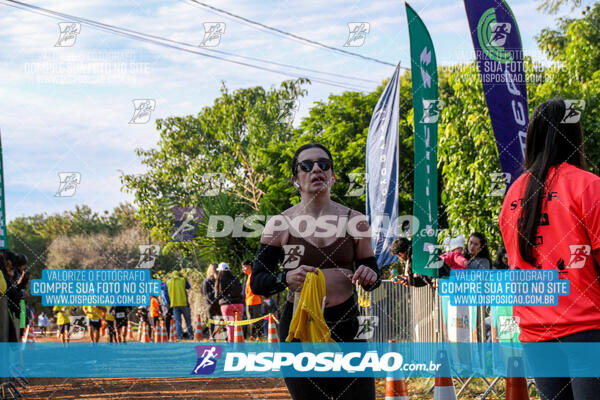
column 15, row 283
column 177, row 287
column 43, row 323
column 501, row 259
column 165, row 305
column 253, row 302
column 154, row 313
column 208, row 289
column 402, row 248
column 228, row 290
column 477, row 252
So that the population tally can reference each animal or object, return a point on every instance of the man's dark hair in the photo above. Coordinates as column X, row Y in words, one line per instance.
column 20, row 260
column 400, row 246
column 247, row 262
column 305, row 147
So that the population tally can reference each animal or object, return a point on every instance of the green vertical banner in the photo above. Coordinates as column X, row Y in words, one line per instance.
column 426, row 107
column 3, row 242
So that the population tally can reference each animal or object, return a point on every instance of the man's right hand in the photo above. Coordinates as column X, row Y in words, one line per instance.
column 295, row 278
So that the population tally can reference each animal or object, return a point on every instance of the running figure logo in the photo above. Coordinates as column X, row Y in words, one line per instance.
column 142, row 110
column 431, row 111
column 207, row 359
column 366, row 327
column 68, row 34
column 358, row 33
column 573, row 110
column 186, row 223
column 434, row 261
column 68, row 184
column 579, row 255
column 292, row 252
column 500, row 31
column 212, row 34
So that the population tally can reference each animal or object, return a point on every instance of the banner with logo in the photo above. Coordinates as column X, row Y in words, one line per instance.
column 499, row 54
column 382, row 170
column 3, row 240
column 426, row 113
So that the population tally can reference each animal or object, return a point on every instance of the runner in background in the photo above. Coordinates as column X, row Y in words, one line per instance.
column 253, row 303
column 550, row 220
column 94, row 315
column 63, row 321
column 109, row 317
column 121, row 318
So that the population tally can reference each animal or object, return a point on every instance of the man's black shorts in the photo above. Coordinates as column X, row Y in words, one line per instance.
column 95, row 324
column 64, row 328
column 121, row 322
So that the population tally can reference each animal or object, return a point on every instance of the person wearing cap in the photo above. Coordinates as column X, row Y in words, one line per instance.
column 177, row 287
column 228, row 291
column 253, row 302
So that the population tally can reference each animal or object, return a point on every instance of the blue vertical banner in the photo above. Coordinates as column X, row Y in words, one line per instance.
column 382, row 170
column 3, row 240
column 499, row 54
column 427, row 108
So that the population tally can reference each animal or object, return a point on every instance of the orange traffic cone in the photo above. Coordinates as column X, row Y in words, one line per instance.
column 395, row 385
column 163, row 329
column 173, row 331
column 29, row 336
column 158, row 334
column 516, row 385
column 444, row 387
column 129, row 334
column 272, row 331
column 145, row 335
column 396, row 389
column 238, row 333
column 198, row 331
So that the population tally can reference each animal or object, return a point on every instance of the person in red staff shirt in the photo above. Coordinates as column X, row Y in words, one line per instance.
column 550, row 220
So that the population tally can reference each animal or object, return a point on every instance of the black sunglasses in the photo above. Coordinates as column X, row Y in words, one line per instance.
column 323, row 163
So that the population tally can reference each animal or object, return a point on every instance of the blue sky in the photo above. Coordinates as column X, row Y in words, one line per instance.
column 67, row 109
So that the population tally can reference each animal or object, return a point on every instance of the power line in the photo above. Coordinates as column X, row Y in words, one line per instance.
column 292, row 35
column 161, row 42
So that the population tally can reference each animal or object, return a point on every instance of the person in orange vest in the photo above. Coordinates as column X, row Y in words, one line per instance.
column 253, row 303
column 154, row 313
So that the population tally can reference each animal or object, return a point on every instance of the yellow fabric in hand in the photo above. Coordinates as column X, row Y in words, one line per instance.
column 308, row 323
column 364, row 297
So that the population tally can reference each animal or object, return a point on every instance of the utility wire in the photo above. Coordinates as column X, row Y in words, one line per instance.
column 169, row 43
column 292, row 35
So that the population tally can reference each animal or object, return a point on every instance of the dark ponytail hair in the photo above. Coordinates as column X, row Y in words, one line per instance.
column 550, row 142
column 485, row 250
